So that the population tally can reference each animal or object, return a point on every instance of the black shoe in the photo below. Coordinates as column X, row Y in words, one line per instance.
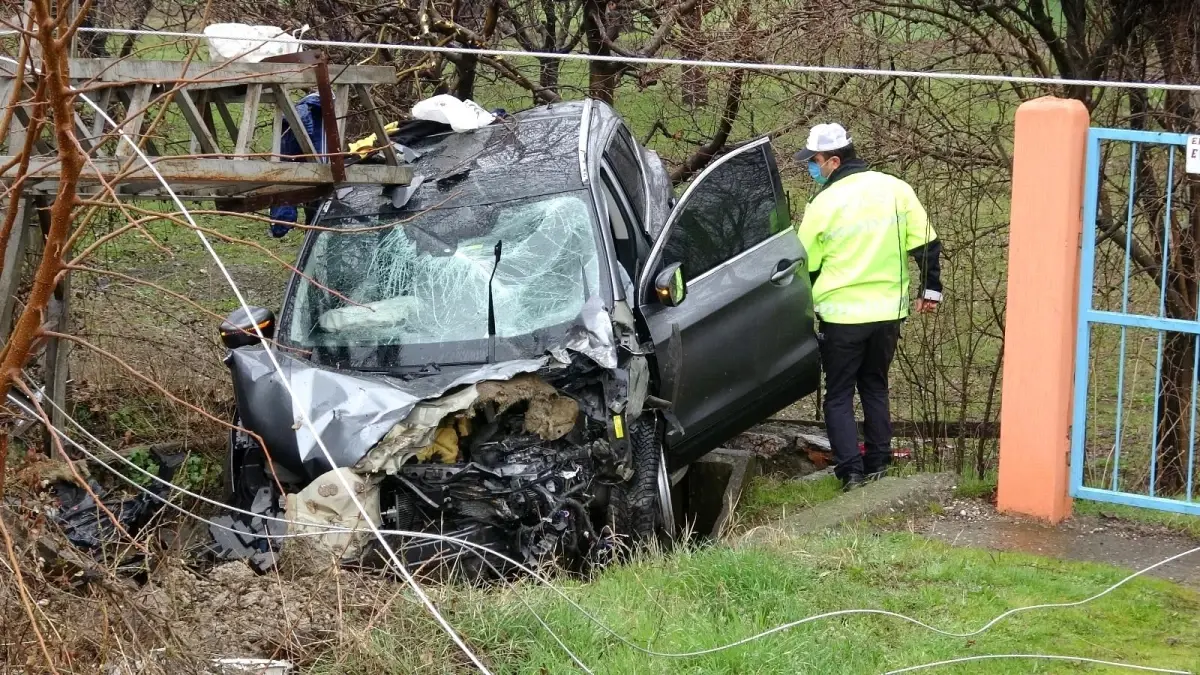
column 876, row 475
column 853, row 482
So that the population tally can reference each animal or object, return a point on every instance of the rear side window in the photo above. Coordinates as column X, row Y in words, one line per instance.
column 622, row 157
column 732, row 210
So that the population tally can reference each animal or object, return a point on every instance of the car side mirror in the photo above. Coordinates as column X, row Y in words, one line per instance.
column 237, row 330
column 669, row 285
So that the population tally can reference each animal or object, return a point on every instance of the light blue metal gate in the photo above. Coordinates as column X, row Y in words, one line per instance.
column 1137, row 445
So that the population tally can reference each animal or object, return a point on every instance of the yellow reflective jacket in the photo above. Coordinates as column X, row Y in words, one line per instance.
column 858, row 232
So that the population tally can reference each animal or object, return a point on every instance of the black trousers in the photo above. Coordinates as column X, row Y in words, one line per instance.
column 858, row 356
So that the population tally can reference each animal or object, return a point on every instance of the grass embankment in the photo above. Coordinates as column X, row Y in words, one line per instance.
column 698, row 599
column 770, row 497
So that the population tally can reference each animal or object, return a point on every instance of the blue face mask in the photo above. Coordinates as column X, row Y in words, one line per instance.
column 814, row 170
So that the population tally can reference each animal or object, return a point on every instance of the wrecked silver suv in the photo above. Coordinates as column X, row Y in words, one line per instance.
column 518, row 347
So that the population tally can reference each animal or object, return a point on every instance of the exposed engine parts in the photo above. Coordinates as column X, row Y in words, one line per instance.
column 518, row 465
column 523, row 471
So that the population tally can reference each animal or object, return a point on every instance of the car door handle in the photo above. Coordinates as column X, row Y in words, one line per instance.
column 785, row 269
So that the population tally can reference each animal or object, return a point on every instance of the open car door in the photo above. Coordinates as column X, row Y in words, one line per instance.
column 728, row 303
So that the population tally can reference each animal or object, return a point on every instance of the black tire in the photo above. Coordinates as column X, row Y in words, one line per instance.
column 636, row 506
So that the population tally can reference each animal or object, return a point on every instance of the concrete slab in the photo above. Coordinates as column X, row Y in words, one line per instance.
column 1100, row 539
column 873, row 500
column 706, row 495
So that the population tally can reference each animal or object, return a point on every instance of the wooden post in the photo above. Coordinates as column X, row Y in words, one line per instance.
column 54, row 358
column 341, row 106
column 245, row 134
column 99, row 126
column 14, row 263
column 277, row 131
column 382, row 140
column 135, row 113
column 195, row 119
column 284, row 102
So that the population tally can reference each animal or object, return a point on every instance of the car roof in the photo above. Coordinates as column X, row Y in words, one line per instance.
column 526, row 154
column 535, row 152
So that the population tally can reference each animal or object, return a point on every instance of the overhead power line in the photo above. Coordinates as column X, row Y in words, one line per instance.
column 694, row 63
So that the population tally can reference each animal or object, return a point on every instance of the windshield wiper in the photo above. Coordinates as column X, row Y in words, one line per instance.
column 492, row 305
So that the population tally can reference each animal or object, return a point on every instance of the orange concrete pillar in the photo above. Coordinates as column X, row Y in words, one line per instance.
column 1042, row 308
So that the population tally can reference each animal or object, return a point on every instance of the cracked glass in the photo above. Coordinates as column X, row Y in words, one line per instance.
column 426, row 280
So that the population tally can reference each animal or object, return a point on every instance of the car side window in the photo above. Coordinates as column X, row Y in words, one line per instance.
column 626, row 236
column 732, row 210
column 622, row 157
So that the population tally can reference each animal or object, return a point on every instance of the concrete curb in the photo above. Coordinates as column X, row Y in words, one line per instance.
column 875, row 499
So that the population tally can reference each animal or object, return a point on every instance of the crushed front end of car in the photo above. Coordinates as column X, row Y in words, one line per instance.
column 532, row 458
column 522, row 456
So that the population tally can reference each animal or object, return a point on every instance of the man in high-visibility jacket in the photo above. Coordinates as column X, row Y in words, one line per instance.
column 859, row 230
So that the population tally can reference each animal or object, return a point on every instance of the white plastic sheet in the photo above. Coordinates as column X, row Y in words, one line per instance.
column 460, row 115
column 243, row 42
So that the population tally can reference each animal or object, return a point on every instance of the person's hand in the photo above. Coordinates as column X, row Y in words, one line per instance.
column 926, row 306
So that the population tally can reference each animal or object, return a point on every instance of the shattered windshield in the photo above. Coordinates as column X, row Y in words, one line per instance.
column 425, row 280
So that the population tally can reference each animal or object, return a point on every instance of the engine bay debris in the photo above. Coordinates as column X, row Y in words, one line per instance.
column 524, row 462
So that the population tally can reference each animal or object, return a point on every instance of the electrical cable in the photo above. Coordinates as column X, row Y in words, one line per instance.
column 550, row 585
column 331, row 529
column 270, row 352
column 1047, row 657
column 661, row 61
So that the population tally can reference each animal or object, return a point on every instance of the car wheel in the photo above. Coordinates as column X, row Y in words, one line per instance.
column 644, row 501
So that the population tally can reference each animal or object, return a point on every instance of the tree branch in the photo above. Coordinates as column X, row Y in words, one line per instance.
column 699, row 159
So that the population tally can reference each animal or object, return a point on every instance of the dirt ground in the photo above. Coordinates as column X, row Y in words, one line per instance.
column 1122, row 543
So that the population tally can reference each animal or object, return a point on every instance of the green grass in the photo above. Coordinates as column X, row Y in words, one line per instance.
column 698, row 599
column 973, row 487
column 768, row 497
column 1178, row 522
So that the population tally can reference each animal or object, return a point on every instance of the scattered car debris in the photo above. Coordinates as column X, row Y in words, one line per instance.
column 88, row 527
column 89, row 524
column 242, row 537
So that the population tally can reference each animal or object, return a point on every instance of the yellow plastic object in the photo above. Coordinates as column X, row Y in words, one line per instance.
column 364, row 145
column 444, row 447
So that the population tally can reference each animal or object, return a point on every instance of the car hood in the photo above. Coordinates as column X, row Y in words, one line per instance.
column 352, row 411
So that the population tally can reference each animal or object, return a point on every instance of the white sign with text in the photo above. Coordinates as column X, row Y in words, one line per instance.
column 1193, row 154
